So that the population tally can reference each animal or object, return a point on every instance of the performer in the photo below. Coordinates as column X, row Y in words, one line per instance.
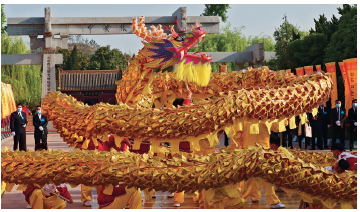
column 18, row 123
column 316, row 127
column 183, row 146
column 339, row 153
column 39, row 198
column 339, row 168
column 226, row 197
column 352, row 115
column 338, row 117
column 248, row 188
column 118, row 197
column 323, row 119
column 275, row 145
column 86, row 190
column 40, row 123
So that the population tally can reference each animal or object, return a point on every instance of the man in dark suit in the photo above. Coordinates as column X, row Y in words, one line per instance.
column 18, row 123
column 338, row 118
column 352, row 113
column 40, row 124
column 287, row 136
column 323, row 119
column 316, row 128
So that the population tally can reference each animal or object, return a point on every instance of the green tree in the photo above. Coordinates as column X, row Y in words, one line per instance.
column 216, row 10
column 269, row 44
column 3, row 20
column 75, row 63
column 26, row 80
column 283, row 35
column 103, row 64
column 231, row 40
column 307, row 51
column 343, row 43
column 106, row 59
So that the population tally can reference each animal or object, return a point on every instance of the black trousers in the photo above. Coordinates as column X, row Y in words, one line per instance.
column 353, row 133
column 226, row 142
column 287, row 136
column 21, row 140
column 302, row 136
column 316, row 130
column 338, row 130
column 324, row 130
column 42, row 137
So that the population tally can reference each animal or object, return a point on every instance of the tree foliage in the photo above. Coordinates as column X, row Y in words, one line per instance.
column 332, row 40
column 216, row 10
column 343, row 43
column 103, row 59
column 231, row 40
column 26, row 80
column 3, row 20
column 283, row 36
column 75, row 63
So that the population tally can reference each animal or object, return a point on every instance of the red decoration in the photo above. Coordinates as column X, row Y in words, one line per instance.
column 176, row 21
column 166, row 28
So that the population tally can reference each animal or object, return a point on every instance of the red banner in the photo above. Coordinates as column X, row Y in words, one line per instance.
column 309, row 69
column 348, row 103
column 300, row 71
column 351, row 73
column 330, row 67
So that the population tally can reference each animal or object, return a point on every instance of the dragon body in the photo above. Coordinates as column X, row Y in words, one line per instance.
column 223, row 101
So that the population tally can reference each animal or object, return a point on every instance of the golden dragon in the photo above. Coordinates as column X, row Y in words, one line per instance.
column 223, row 101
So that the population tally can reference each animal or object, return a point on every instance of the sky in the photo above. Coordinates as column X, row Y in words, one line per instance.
column 258, row 19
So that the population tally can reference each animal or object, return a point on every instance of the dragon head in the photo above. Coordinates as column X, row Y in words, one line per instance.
column 163, row 50
column 166, row 52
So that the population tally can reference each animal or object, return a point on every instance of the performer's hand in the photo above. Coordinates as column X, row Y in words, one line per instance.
column 337, row 123
column 188, row 94
column 24, row 125
column 71, row 201
column 13, row 133
column 41, row 128
column 355, row 124
column 328, row 126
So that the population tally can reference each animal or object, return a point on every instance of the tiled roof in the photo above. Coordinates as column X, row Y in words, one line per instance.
column 88, row 80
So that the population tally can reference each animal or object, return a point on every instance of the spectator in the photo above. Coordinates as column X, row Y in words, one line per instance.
column 287, row 136
column 338, row 118
column 18, row 123
column 40, row 124
column 352, row 114
column 316, row 128
column 302, row 132
column 323, row 119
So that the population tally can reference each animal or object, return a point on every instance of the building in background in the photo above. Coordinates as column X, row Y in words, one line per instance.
column 90, row 86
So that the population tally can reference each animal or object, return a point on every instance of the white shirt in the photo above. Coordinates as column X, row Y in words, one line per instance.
column 39, row 116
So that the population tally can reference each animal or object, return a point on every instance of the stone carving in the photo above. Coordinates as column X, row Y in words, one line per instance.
column 47, row 20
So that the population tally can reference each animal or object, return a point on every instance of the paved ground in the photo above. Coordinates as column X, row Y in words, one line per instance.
column 15, row 199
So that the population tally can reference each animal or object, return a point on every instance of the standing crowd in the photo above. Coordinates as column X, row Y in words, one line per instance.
column 315, row 130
